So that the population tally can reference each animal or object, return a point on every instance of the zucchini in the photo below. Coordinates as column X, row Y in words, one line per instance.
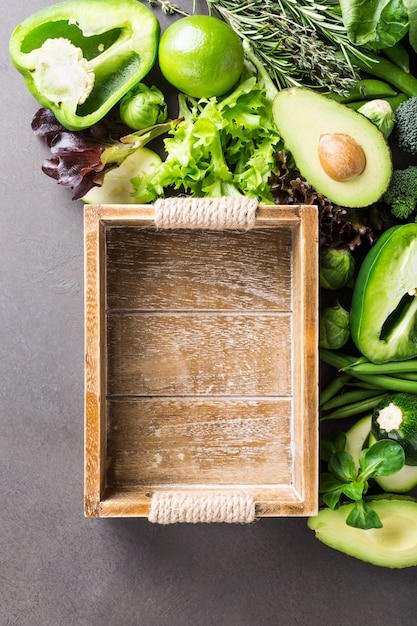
column 395, row 417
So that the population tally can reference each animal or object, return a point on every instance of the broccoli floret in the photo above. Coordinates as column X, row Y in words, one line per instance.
column 405, row 129
column 401, row 194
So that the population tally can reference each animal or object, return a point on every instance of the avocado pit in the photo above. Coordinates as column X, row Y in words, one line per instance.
column 341, row 157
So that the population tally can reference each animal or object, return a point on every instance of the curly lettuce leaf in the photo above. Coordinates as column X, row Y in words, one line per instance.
column 221, row 147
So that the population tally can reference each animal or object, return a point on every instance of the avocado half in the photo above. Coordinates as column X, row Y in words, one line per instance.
column 394, row 545
column 337, row 150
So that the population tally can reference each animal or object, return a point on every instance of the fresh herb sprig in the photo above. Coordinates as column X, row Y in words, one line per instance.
column 343, row 480
column 167, row 7
column 296, row 40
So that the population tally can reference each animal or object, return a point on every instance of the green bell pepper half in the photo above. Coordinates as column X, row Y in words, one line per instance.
column 79, row 57
column 383, row 318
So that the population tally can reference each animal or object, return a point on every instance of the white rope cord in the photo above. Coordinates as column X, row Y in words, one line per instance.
column 235, row 212
column 172, row 507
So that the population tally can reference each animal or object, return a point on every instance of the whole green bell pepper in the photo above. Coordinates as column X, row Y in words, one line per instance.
column 383, row 317
column 79, row 57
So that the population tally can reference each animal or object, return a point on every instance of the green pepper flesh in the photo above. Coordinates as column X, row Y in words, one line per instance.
column 384, row 304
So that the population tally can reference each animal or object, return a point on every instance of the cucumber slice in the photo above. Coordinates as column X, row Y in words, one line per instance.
column 394, row 545
column 356, row 437
column 400, row 482
column 116, row 187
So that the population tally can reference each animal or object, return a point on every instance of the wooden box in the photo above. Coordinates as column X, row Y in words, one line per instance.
column 201, row 365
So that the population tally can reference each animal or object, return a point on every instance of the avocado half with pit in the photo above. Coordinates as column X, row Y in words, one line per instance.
column 337, row 150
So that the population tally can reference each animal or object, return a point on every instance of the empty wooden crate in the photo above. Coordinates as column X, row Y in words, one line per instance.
column 201, row 363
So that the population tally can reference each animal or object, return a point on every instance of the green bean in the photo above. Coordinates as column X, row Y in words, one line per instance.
column 398, row 54
column 393, row 367
column 366, row 89
column 337, row 359
column 382, row 68
column 335, row 385
column 407, row 376
column 390, row 383
column 349, row 397
column 356, row 408
column 363, row 385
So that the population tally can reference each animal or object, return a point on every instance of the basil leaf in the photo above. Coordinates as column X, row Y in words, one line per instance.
column 328, row 482
column 376, row 25
column 331, row 499
column 354, row 490
column 331, row 489
column 362, row 516
column 384, row 458
column 342, row 465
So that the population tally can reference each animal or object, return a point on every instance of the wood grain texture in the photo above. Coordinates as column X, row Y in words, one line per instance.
column 201, row 360
column 199, row 354
column 206, row 270
column 196, row 441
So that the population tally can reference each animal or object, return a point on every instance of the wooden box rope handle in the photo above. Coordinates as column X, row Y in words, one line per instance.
column 173, row 507
column 234, row 212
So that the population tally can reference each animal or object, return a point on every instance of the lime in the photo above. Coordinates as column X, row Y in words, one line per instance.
column 201, row 56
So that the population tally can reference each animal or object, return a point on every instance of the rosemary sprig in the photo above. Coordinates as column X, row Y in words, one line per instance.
column 296, row 40
column 169, row 8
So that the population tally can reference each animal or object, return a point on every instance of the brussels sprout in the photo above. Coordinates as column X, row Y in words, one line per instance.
column 337, row 267
column 380, row 113
column 334, row 329
column 142, row 107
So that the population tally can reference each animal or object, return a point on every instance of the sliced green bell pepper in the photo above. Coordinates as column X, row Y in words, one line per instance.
column 383, row 319
column 79, row 57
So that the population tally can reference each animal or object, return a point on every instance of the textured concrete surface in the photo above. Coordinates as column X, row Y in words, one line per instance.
column 58, row 568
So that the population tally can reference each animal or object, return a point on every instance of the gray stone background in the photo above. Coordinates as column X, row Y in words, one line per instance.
column 58, row 568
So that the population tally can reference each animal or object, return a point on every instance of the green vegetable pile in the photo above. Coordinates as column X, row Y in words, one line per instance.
column 349, row 59
column 219, row 148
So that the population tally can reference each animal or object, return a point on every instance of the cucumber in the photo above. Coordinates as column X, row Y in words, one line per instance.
column 116, row 187
column 393, row 546
column 400, row 482
column 357, row 436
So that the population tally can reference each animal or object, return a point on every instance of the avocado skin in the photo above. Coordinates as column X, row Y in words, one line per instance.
column 392, row 546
